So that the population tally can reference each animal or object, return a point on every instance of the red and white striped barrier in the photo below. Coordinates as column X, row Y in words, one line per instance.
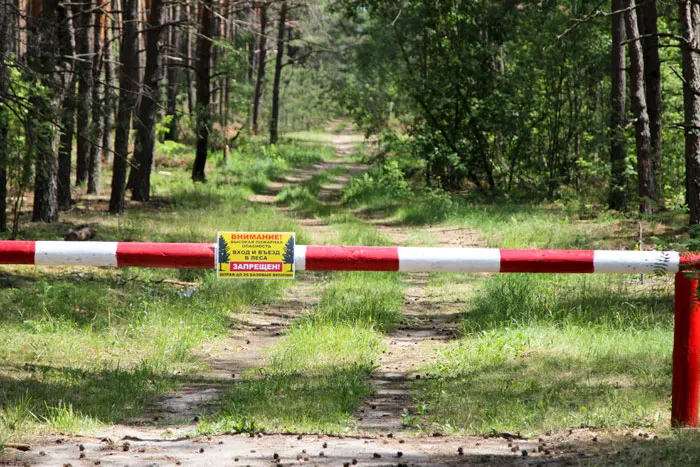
column 351, row 258
column 686, row 349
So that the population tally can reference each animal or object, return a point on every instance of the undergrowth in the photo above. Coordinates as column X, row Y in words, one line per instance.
column 83, row 347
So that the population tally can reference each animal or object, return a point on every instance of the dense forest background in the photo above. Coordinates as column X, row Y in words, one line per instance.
column 487, row 100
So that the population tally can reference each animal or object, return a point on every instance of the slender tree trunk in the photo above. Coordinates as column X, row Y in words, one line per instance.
column 148, row 110
column 251, row 59
column 172, row 75
column 5, row 35
column 65, row 149
column 618, row 119
column 274, row 118
column 203, row 90
column 40, row 131
column 648, row 18
column 260, row 80
column 4, row 158
column 690, row 22
column 109, row 95
column 128, row 88
column 189, row 60
column 96, row 124
column 84, row 48
column 645, row 174
column 252, row 45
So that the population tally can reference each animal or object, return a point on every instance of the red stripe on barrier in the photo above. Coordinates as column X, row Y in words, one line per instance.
column 352, row 258
column 563, row 261
column 689, row 260
column 17, row 252
column 686, row 352
column 166, row 255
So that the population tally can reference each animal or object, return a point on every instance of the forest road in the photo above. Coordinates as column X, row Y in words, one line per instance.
column 163, row 436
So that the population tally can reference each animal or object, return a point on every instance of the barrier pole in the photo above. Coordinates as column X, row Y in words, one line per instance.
column 686, row 352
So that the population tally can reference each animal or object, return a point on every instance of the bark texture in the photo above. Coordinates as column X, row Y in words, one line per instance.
column 618, row 119
column 5, row 34
column 40, row 131
column 128, row 85
column 65, row 148
column 260, row 79
column 172, row 75
column 203, row 89
column 148, row 110
column 84, row 48
column 275, row 112
column 96, row 122
column 690, row 20
column 109, row 93
column 645, row 170
column 648, row 18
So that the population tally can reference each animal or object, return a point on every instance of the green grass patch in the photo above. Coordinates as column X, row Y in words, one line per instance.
column 384, row 190
column 360, row 300
column 319, row 374
column 303, row 197
column 85, row 348
column 545, row 353
column 351, row 230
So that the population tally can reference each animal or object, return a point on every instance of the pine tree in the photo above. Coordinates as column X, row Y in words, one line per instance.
column 288, row 257
column 223, row 252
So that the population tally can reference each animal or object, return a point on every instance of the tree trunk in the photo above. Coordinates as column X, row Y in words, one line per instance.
column 172, row 75
column 645, row 173
column 84, row 49
column 188, row 58
column 5, row 35
column 618, row 119
column 652, row 79
column 145, row 124
column 274, row 118
column 203, row 90
column 252, row 43
column 65, row 149
column 260, row 80
column 690, row 20
column 128, row 87
column 95, row 158
column 109, row 95
column 40, row 130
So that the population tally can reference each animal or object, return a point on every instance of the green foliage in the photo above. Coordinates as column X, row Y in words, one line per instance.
column 505, row 108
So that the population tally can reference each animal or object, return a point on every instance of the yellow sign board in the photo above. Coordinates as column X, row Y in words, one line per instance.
column 255, row 255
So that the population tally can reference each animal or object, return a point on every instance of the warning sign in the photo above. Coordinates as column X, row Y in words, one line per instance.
column 255, row 255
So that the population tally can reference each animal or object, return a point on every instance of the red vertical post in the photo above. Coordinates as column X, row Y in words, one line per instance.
column 686, row 352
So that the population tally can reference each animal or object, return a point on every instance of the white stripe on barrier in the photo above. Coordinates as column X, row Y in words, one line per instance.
column 414, row 259
column 76, row 253
column 300, row 257
column 626, row 262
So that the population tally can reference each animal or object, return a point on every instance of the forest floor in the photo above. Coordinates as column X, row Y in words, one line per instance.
column 386, row 428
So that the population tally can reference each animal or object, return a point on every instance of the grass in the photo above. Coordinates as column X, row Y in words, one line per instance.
column 384, row 191
column 541, row 353
column 88, row 347
column 319, row 374
column 303, row 197
column 85, row 347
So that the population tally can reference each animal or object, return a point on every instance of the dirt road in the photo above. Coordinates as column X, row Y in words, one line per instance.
column 163, row 436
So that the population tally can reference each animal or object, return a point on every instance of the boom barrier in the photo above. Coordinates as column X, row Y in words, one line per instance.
column 686, row 345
